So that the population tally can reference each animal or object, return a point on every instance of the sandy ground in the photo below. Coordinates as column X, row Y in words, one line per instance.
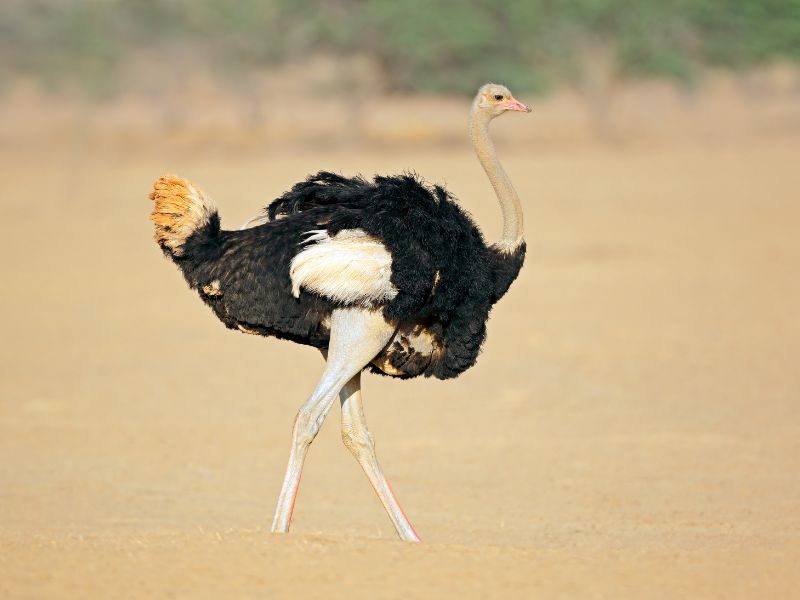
column 631, row 430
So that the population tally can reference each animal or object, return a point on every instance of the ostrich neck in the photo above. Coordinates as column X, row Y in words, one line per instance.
column 506, row 195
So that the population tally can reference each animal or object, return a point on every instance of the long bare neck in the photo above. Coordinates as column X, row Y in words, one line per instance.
column 506, row 195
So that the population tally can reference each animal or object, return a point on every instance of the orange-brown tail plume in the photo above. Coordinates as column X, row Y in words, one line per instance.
column 180, row 210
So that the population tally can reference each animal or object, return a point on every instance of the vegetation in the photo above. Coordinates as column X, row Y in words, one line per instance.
column 429, row 45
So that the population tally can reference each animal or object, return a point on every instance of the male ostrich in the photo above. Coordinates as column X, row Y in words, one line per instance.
column 389, row 274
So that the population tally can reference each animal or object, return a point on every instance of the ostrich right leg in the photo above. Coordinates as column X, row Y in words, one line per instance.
column 357, row 336
column 358, row 440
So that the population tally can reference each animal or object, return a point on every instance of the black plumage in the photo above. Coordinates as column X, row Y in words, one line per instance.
column 446, row 276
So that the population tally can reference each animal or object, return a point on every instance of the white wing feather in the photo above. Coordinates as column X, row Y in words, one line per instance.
column 351, row 268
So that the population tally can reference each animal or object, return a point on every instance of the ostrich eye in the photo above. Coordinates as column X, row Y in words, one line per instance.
column 498, row 97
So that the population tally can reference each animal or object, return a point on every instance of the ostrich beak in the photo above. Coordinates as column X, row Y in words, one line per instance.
column 514, row 104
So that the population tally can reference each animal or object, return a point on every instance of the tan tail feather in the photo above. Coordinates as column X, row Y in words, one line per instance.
column 179, row 210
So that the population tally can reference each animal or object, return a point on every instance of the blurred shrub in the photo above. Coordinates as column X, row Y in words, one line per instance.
column 430, row 45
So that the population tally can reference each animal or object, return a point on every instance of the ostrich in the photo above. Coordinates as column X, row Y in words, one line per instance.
column 389, row 275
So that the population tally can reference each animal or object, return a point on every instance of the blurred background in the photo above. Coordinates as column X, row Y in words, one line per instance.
column 277, row 72
column 632, row 428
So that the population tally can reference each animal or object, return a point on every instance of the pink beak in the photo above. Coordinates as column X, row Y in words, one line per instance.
column 514, row 104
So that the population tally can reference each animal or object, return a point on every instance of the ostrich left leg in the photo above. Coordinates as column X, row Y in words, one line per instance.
column 358, row 440
column 357, row 335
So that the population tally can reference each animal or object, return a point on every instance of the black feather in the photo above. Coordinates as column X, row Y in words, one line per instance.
column 428, row 235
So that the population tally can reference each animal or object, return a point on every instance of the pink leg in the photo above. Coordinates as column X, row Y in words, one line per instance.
column 357, row 336
column 359, row 441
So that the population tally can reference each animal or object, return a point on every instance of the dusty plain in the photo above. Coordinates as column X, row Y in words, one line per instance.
column 632, row 428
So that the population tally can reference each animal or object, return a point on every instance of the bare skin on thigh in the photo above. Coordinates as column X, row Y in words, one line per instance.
column 357, row 336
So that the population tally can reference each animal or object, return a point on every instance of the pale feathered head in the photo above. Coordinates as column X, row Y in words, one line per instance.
column 495, row 99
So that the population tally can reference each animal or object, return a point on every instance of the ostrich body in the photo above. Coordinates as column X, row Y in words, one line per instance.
column 390, row 275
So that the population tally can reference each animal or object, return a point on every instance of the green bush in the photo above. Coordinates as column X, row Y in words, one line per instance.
column 420, row 45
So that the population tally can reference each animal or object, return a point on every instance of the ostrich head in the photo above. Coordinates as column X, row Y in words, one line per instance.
column 494, row 99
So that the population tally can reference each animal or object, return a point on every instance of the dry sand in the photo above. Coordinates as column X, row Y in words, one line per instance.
column 631, row 430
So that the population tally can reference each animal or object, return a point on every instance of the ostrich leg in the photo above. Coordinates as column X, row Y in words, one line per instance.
column 359, row 441
column 357, row 335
